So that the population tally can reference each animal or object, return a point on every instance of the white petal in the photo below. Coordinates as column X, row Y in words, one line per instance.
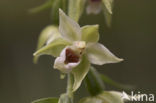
column 68, row 28
column 94, row 8
column 60, row 63
column 98, row 54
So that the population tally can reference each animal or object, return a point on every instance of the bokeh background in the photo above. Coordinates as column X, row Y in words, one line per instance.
column 132, row 37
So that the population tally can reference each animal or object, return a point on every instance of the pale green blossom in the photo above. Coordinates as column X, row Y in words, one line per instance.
column 76, row 48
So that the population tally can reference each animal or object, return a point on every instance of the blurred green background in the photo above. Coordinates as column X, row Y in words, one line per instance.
column 132, row 37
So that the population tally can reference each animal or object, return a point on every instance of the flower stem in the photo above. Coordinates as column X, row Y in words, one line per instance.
column 70, row 87
column 93, row 82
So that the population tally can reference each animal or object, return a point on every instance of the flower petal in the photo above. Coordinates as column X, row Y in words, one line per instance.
column 107, row 10
column 47, row 35
column 90, row 100
column 90, row 33
column 108, row 16
column 68, row 28
column 98, row 54
column 60, row 63
column 108, row 5
column 64, row 98
column 54, row 48
column 111, row 97
column 94, row 7
column 75, row 8
column 80, row 72
column 104, row 97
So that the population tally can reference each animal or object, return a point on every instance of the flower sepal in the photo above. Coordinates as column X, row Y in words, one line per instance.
column 47, row 35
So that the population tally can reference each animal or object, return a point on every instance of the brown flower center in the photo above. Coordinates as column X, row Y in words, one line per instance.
column 71, row 57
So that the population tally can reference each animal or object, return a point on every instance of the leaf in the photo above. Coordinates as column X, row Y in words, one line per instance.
column 42, row 7
column 80, row 72
column 99, row 54
column 75, row 8
column 54, row 48
column 109, row 81
column 94, row 82
column 69, row 29
column 90, row 33
column 46, row 100
column 64, row 98
column 48, row 34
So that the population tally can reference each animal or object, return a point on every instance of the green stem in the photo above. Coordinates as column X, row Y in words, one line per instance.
column 42, row 7
column 70, row 87
column 93, row 82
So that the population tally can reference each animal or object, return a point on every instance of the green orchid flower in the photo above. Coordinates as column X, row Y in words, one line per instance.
column 75, row 48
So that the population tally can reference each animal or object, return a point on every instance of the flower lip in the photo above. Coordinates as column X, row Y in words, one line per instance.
column 71, row 57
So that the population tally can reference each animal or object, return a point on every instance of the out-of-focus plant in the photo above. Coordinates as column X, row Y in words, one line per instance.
column 76, row 48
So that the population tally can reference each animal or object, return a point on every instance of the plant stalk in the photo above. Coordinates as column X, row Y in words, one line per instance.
column 70, row 87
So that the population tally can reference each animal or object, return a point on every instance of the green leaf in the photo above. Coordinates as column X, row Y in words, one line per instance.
column 109, row 81
column 64, row 98
column 54, row 48
column 99, row 54
column 69, row 29
column 42, row 7
column 80, row 72
column 46, row 100
column 75, row 8
column 94, row 82
column 49, row 33
column 90, row 33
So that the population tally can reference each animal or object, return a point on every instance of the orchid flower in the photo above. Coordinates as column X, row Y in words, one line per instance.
column 96, row 6
column 75, row 48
